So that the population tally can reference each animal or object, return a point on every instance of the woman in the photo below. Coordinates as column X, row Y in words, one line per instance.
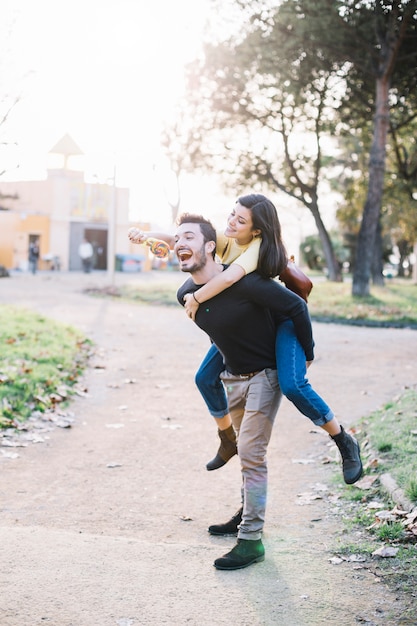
column 252, row 241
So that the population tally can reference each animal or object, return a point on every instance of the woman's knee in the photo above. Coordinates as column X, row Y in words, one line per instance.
column 205, row 384
column 290, row 388
column 199, row 379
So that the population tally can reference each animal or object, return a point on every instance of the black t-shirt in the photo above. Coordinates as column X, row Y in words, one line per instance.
column 242, row 321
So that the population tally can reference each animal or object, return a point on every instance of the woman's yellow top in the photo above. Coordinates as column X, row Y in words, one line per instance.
column 245, row 256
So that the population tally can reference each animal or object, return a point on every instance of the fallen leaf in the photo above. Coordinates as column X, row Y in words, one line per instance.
column 386, row 552
column 366, row 483
column 336, row 560
column 302, row 461
column 9, row 455
column 356, row 558
column 385, row 516
column 375, row 505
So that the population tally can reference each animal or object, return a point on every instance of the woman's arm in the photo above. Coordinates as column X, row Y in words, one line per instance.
column 216, row 285
column 139, row 236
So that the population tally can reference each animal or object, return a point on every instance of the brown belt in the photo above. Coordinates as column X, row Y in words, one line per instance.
column 247, row 376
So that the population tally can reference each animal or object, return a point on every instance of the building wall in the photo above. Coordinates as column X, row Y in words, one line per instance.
column 60, row 210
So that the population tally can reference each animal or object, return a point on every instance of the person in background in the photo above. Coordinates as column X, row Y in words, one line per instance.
column 86, row 253
column 33, row 256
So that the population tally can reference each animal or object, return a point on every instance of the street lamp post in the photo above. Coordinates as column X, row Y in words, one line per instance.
column 111, row 233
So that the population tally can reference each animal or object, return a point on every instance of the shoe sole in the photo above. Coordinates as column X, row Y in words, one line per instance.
column 258, row 559
column 357, row 477
column 232, row 534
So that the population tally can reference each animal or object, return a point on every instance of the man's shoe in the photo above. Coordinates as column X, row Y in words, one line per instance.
column 226, row 451
column 351, row 456
column 228, row 529
column 243, row 554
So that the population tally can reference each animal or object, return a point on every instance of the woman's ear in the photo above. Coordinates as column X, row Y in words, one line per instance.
column 256, row 232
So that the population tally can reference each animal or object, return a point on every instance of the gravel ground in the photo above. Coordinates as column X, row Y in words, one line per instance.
column 105, row 523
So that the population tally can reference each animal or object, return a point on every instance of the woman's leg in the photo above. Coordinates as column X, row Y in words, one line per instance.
column 291, row 367
column 211, row 388
column 209, row 384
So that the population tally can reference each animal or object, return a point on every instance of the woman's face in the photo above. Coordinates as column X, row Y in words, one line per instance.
column 240, row 225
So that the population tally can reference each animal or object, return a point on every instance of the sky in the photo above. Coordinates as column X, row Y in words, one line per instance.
column 109, row 73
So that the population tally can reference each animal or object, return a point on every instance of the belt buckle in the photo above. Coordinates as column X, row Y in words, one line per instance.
column 247, row 376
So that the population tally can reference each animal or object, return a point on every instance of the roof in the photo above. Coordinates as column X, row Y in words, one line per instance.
column 67, row 146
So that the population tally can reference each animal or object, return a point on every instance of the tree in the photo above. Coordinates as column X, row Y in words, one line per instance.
column 261, row 106
column 391, row 21
column 286, row 68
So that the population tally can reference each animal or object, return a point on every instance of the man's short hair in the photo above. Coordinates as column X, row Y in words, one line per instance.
column 207, row 229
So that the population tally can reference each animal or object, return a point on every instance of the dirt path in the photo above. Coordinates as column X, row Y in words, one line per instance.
column 105, row 524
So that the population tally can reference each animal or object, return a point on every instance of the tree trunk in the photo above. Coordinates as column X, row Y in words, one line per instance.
column 333, row 268
column 372, row 210
column 377, row 261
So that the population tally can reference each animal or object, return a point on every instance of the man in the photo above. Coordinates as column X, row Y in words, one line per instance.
column 33, row 256
column 86, row 253
column 239, row 321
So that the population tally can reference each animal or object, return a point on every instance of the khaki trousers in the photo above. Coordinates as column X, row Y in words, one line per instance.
column 253, row 403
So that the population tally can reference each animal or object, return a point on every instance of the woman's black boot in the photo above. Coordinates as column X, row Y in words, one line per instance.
column 351, row 456
column 227, row 449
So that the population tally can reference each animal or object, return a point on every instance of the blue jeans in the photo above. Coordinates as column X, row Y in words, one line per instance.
column 209, row 384
column 291, row 368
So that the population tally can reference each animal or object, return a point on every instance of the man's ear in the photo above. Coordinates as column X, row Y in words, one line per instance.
column 211, row 245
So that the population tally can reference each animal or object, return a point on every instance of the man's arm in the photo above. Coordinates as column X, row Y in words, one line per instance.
column 188, row 287
column 283, row 304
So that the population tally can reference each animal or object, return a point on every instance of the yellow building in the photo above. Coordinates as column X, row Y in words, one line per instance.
column 59, row 212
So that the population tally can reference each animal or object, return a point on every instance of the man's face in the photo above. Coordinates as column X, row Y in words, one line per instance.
column 190, row 248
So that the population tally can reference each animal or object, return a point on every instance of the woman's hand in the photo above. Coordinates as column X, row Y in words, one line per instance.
column 136, row 235
column 190, row 306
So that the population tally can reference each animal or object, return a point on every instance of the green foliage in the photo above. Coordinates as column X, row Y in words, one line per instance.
column 411, row 489
column 313, row 255
column 365, row 530
column 40, row 363
column 392, row 433
column 395, row 304
column 390, row 532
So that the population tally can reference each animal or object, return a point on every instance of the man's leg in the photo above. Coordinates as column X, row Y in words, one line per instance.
column 260, row 397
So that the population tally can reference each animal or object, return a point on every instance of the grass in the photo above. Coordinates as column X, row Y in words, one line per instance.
column 392, row 432
column 394, row 305
column 389, row 445
column 39, row 366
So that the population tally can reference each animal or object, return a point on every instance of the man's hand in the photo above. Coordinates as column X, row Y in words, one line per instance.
column 136, row 235
column 190, row 306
